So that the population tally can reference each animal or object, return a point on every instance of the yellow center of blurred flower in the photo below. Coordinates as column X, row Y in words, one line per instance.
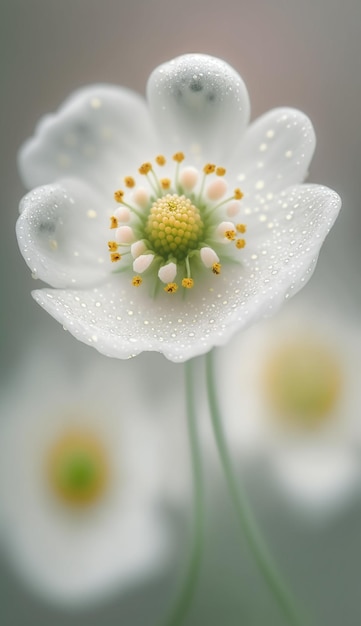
column 78, row 469
column 303, row 382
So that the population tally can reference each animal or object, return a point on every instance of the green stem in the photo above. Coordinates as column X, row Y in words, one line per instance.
column 183, row 601
column 244, row 513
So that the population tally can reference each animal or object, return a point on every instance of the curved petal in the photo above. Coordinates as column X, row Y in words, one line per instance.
column 62, row 233
column 199, row 104
column 99, row 134
column 279, row 222
column 318, row 479
column 121, row 321
column 275, row 152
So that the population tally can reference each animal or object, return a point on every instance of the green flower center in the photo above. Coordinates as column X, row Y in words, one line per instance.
column 303, row 383
column 78, row 469
column 174, row 226
column 178, row 226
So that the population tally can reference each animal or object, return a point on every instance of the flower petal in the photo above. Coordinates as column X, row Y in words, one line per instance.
column 62, row 233
column 121, row 321
column 122, row 539
column 318, row 479
column 99, row 134
column 275, row 152
column 199, row 104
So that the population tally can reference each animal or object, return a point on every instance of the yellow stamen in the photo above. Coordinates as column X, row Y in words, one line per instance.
column 241, row 228
column 179, row 157
column 160, row 159
column 216, row 268
column 165, row 183
column 230, row 235
column 113, row 222
column 129, row 181
column 113, row 246
column 209, row 168
column 171, row 288
column 238, row 195
column 115, row 256
column 118, row 195
column 240, row 243
column 220, row 171
column 145, row 168
column 187, row 283
column 137, row 281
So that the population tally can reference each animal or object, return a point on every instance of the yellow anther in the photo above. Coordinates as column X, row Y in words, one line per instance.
column 113, row 246
column 179, row 157
column 216, row 268
column 145, row 168
column 160, row 159
column 220, row 171
column 209, row 168
column 129, row 181
column 115, row 256
column 187, row 283
column 230, row 235
column 240, row 243
column 137, row 281
column 113, row 222
column 172, row 205
column 241, row 228
column 166, row 183
column 118, row 195
column 238, row 195
column 171, row 288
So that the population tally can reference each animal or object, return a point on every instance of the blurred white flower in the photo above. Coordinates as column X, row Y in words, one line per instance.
column 291, row 395
column 83, row 471
column 220, row 235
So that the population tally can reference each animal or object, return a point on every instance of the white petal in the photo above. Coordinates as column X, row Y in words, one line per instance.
column 141, row 197
column 124, row 234
column 188, row 177
column 216, row 189
column 75, row 557
column 200, row 105
column 122, row 214
column 209, row 256
column 62, row 233
column 137, row 248
column 142, row 262
column 223, row 227
column 275, row 152
column 317, row 479
column 99, row 134
column 167, row 273
column 120, row 321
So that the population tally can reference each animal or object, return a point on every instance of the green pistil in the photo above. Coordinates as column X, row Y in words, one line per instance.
column 77, row 473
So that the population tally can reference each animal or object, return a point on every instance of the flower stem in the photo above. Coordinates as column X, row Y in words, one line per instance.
column 185, row 595
column 245, row 517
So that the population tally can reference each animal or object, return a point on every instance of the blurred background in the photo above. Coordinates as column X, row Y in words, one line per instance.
column 304, row 54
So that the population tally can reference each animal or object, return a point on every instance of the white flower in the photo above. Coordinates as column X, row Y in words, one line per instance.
column 83, row 465
column 185, row 167
column 290, row 393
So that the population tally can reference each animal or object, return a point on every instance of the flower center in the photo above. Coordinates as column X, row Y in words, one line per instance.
column 174, row 226
column 303, row 384
column 78, row 470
